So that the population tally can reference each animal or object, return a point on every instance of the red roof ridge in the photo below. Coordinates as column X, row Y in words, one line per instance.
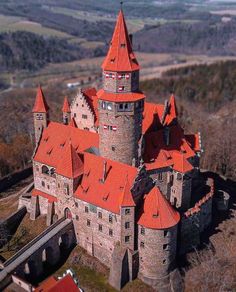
column 120, row 56
column 66, row 106
column 71, row 165
column 127, row 197
column 40, row 105
column 181, row 164
column 172, row 111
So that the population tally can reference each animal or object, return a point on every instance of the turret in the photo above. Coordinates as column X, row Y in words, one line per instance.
column 66, row 111
column 40, row 114
column 120, row 101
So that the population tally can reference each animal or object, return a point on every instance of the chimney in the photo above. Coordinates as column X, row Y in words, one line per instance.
column 131, row 38
column 104, row 175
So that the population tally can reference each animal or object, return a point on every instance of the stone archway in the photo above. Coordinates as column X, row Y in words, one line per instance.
column 68, row 213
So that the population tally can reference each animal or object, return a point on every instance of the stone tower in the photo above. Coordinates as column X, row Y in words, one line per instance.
column 66, row 111
column 41, row 114
column 120, row 101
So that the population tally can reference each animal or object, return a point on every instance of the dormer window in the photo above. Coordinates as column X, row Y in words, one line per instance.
column 113, row 60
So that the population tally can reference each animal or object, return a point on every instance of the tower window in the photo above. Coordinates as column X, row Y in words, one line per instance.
column 77, row 217
column 142, row 244
column 88, row 222
column 76, row 204
column 122, row 45
column 127, row 238
column 123, row 76
column 127, row 225
column 86, row 209
column 121, row 106
column 110, row 218
column 165, row 246
column 100, row 215
column 110, row 232
column 142, row 231
column 127, row 211
column 43, row 184
column 84, row 116
column 166, row 233
column 121, row 88
column 74, row 115
column 113, row 148
column 100, row 227
column 160, row 177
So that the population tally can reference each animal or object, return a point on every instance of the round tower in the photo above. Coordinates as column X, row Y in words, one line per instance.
column 157, row 239
column 121, row 103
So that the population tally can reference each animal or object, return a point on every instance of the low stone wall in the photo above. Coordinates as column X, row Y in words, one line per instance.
column 9, row 226
column 13, row 178
column 196, row 220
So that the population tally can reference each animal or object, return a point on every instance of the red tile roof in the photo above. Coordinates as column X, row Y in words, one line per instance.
column 159, row 155
column 120, row 56
column 66, row 284
column 120, row 97
column 172, row 111
column 50, row 198
column 194, row 141
column 127, row 197
column 66, row 106
column 152, row 116
column 40, row 105
column 111, row 193
column 71, row 165
column 54, row 138
column 157, row 212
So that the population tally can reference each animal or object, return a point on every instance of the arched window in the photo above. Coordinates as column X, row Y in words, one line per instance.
column 45, row 169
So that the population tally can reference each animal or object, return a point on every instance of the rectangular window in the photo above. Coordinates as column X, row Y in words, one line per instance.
column 77, row 217
column 127, row 211
column 86, row 209
column 84, row 116
column 160, row 178
column 110, row 232
column 43, row 184
column 110, row 218
column 74, row 115
column 127, row 238
column 166, row 233
column 142, row 231
column 113, row 148
column 88, row 222
column 100, row 215
column 127, row 225
column 121, row 88
column 123, row 75
column 100, row 227
column 76, row 204
column 142, row 244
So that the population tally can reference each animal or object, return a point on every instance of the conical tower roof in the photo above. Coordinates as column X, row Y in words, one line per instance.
column 157, row 212
column 66, row 106
column 71, row 165
column 120, row 56
column 40, row 105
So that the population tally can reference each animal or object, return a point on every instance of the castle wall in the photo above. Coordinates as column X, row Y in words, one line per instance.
column 82, row 113
column 98, row 243
column 161, row 177
column 157, row 251
column 121, row 143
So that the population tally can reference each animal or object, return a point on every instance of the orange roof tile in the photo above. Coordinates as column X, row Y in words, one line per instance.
column 54, row 138
column 172, row 111
column 66, row 284
column 50, row 198
column 194, row 141
column 72, row 123
column 152, row 116
column 127, row 197
column 66, row 106
column 157, row 212
column 40, row 105
column 181, row 164
column 159, row 155
column 71, row 165
column 109, row 194
column 120, row 56
column 120, row 97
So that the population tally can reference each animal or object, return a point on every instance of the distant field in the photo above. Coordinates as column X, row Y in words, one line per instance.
column 225, row 12
column 9, row 24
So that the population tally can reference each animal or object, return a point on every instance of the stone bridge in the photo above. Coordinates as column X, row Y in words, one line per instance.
column 45, row 248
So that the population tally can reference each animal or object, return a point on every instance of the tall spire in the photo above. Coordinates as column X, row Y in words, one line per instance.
column 40, row 105
column 120, row 56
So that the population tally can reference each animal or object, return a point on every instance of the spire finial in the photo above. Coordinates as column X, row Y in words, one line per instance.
column 121, row 5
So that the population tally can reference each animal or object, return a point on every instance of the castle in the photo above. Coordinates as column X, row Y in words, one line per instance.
column 124, row 171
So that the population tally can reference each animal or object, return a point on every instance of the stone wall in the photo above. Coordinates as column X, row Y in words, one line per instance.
column 14, row 178
column 112, row 81
column 157, row 252
column 82, row 113
column 9, row 225
column 119, row 133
